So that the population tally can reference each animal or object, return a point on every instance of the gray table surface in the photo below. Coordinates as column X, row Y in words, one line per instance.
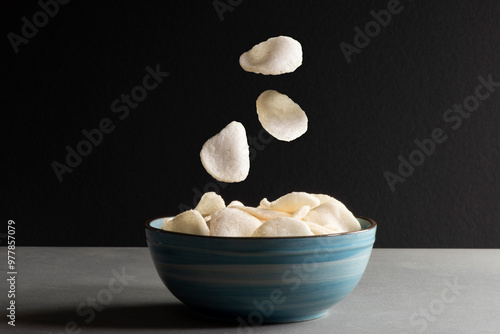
column 402, row 291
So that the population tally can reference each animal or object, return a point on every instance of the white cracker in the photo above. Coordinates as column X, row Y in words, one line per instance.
column 235, row 203
column 263, row 214
column 332, row 227
column 209, row 203
column 165, row 221
column 282, row 227
column 226, row 155
column 232, row 222
column 293, row 201
column 319, row 229
column 326, row 198
column 264, row 204
column 275, row 56
column 189, row 222
column 301, row 212
column 334, row 215
column 280, row 116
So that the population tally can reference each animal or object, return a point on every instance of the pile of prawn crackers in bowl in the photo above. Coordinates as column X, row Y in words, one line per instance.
column 285, row 260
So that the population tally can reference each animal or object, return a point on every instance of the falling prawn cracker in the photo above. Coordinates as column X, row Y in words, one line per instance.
column 226, row 155
column 280, row 116
column 277, row 55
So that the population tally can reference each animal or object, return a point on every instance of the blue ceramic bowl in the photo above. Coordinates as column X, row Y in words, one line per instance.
column 257, row 280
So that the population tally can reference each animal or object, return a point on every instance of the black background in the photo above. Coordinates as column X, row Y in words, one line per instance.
column 362, row 115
